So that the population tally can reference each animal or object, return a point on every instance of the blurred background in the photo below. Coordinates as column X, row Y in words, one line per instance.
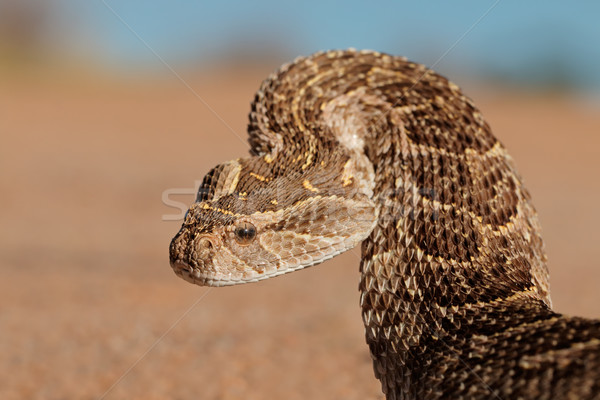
column 111, row 111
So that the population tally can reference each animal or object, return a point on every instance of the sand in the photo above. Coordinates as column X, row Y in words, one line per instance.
column 89, row 305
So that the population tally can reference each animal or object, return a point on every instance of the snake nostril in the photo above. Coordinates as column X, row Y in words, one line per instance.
column 204, row 245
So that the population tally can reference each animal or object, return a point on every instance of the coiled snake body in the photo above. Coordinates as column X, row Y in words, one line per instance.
column 350, row 147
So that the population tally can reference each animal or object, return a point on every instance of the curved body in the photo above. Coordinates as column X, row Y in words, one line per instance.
column 360, row 147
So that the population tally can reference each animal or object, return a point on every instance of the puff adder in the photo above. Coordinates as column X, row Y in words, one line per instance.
column 352, row 147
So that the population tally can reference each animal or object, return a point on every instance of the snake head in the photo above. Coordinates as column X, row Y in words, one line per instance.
column 219, row 247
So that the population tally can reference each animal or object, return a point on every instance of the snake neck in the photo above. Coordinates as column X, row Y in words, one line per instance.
column 455, row 254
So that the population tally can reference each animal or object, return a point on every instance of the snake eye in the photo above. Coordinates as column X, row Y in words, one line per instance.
column 245, row 233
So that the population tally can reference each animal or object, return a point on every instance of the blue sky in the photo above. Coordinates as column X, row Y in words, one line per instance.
column 537, row 42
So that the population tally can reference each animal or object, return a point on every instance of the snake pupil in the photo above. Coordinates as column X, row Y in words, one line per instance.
column 245, row 233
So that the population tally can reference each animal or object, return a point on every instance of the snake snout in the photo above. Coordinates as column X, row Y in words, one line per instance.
column 178, row 249
column 188, row 251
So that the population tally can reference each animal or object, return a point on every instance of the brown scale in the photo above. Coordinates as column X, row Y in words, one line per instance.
column 454, row 290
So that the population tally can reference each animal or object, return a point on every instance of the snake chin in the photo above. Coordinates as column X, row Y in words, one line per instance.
column 199, row 277
column 194, row 276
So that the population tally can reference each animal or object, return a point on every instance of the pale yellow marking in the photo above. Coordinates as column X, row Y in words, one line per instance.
column 274, row 202
column 236, row 179
column 268, row 159
column 296, row 100
column 220, row 210
column 409, row 109
column 259, row 177
column 226, row 212
column 347, row 176
column 311, row 151
column 309, row 157
column 496, row 150
column 308, row 186
column 295, row 108
column 228, row 180
column 381, row 76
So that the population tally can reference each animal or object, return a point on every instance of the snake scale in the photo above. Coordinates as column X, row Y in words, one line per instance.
column 352, row 147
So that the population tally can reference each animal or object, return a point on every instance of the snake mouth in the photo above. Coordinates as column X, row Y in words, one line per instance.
column 189, row 273
column 196, row 275
column 180, row 267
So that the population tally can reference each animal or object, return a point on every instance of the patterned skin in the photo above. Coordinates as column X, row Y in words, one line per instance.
column 355, row 147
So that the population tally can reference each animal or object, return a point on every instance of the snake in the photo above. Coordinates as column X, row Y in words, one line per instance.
column 355, row 147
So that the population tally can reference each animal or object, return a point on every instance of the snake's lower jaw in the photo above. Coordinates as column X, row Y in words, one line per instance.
column 196, row 275
column 182, row 270
column 179, row 267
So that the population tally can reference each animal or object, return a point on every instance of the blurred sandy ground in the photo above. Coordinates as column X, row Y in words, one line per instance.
column 85, row 284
